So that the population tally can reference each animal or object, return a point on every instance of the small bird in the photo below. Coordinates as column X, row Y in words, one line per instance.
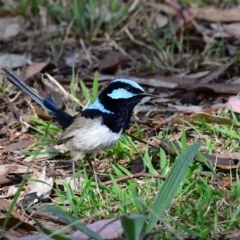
column 100, row 125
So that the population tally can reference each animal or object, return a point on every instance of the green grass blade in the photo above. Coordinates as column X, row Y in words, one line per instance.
column 85, row 91
column 171, row 185
column 133, row 226
column 49, row 233
column 73, row 83
column 70, row 220
column 95, row 87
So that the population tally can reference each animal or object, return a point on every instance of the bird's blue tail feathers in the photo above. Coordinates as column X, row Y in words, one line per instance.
column 62, row 118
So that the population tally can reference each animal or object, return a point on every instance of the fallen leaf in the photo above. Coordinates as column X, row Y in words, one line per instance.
column 71, row 182
column 201, row 116
column 233, row 104
column 18, row 145
column 34, row 68
column 12, row 60
column 138, row 165
column 161, row 20
column 235, row 235
column 11, row 27
column 212, row 87
column 215, row 73
column 161, row 7
column 221, row 162
column 218, row 160
column 34, row 236
column 21, row 227
column 236, row 80
column 197, row 74
column 40, row 187
column 232, row 50
column 215, row 14
column 11, row 192
column 5, row 207
column 107, row 229
column 233, row 28
column 185, row 109
column 10, row 179
column 14, row 169
column 111, row 61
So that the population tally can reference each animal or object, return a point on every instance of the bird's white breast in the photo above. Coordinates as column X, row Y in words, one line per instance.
column 93, row 138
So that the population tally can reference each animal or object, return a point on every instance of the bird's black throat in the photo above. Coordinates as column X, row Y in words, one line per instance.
column 121, row 111
column 115, row 122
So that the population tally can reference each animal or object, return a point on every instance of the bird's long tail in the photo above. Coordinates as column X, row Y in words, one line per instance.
column 62, row 118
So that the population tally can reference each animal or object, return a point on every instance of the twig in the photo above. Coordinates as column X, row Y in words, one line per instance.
column 68, row 95
column 133, row 6
column 15, row 97
column 46, row 216
column 85, row 50
column 140, row 140
column 136, row 175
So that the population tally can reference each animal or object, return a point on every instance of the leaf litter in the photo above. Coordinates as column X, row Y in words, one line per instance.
column 195, row 86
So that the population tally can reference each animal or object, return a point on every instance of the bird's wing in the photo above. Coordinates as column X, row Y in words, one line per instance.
column 78, row 123
column 68, row 133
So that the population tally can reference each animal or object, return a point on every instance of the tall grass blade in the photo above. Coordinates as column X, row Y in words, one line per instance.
column 73, row 222
column 171, row 185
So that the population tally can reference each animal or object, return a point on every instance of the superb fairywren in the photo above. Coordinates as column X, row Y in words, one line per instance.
column 98, row 126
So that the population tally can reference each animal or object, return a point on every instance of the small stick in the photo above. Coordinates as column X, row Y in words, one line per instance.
column 136, row 175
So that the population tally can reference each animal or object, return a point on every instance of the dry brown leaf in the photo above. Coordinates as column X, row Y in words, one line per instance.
column 106, row 228
column 215, row 73
column 161, row 7
column 34, row 68
column 198, row 74
column 201, row 116
column 18, row 145
column 138, row 165
column 20, row 227
column 233, row 28
column 5, row 207
column 111, row 62
column 11, row 192
column 71, row 182
column 185, row 109
column 221, row 162
column 212, row 87
column 11, row 27
column 218, row 161
column 14, row 169
column 216, row 15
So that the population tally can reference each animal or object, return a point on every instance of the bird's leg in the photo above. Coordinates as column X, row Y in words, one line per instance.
column 97, row 180
column 89, row 157
column 75, row 158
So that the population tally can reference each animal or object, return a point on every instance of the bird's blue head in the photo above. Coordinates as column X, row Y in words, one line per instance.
column 116, row 102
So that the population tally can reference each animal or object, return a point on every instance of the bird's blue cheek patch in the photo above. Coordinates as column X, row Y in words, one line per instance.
column 121, row 93
column 99, row 106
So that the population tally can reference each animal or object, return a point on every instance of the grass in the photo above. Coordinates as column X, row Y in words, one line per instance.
column 199, row 209
column 187, row 204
